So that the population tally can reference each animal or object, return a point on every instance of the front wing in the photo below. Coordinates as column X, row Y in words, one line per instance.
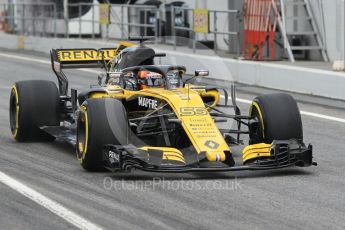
column 282, row 154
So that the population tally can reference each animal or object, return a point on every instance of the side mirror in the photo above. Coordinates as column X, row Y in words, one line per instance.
column 198, row 73
column 114, row 74
column 160, row 55
column 201, row 73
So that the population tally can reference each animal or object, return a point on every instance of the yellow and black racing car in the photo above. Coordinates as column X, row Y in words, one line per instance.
column 148, row 117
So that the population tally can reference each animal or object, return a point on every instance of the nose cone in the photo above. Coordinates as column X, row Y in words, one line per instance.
column 215, row 156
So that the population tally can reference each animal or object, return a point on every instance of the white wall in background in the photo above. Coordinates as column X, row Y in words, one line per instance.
column 333, row 11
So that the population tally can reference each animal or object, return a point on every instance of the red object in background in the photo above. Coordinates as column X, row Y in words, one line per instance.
column 260, row 22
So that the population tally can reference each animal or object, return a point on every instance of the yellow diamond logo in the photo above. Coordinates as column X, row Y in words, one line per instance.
column 211, row 144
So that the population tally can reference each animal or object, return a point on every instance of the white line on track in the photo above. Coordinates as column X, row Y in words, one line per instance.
column 39, row 61
column 47, row 203
column 321, row 116
column 40, row 199
column 305, row 113
column 24, row 58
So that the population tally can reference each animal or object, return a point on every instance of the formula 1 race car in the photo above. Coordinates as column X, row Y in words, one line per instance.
column 148, row 117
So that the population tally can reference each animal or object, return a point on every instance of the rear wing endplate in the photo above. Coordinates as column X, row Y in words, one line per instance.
column 81, row 58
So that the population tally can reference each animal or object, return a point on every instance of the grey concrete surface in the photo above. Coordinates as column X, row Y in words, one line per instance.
column 18, row 212
column 309, row 198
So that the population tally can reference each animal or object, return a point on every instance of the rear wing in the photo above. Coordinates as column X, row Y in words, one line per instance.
column 81, row 58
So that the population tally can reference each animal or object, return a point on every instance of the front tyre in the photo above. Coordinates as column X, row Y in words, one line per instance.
column 100, row 122
column 277, row 118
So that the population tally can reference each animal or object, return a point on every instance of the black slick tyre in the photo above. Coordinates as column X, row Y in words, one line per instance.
column 33, row 104
column 100, row 122
column 278, row 118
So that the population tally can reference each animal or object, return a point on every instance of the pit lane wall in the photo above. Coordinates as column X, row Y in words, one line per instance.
column 288, row 78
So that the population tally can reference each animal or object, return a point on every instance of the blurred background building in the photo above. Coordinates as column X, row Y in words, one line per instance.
column 166, row 18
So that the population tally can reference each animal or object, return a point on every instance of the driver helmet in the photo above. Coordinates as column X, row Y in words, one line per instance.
column 148, row 79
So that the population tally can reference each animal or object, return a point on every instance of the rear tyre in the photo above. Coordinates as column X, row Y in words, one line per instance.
column 278, row 118
column 100, row 122
column 33, row 104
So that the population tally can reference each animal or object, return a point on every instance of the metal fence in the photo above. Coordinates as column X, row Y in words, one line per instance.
column 213, row 15
column 123, row 18
column 83, row 20
column 78, row 23
column 29, row 19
